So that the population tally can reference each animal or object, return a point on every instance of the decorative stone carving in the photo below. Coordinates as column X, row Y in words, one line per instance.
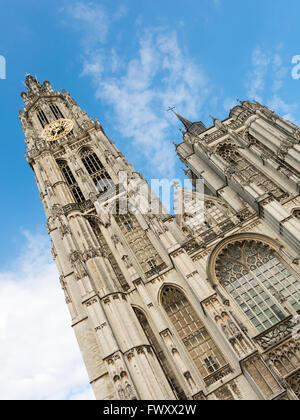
column 285, row 357
column 219, row 374
column 69, row 208
column 294, row 383
column 297, row 134
column 199, row 397
column 65, row 290
column 275, row 334
column 158, row 226
column 56, row 211
column 188, row 344
column 64, row 230
column 76, row 260
column 224, row 393
column 262, row 376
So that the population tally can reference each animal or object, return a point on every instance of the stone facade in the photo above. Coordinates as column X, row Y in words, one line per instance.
column 162, row 308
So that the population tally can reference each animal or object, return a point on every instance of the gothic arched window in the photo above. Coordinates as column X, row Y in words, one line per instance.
column 107, row 252
column 71, row 181
column 42, row 118
column 163, row 361
column 56, row 111
column 138, row 240
column 96, row 170
column 253, row 274
column 202, row 349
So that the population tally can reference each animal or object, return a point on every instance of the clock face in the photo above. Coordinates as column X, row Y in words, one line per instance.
column 57, row 129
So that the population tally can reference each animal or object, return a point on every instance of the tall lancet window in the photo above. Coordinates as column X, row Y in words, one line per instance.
column 254, row 275
column 163, row 361
column 71, row 181
column 42, row 118
column 202, row 349
column 138, row 240
column 96, row 170
column 56, row 111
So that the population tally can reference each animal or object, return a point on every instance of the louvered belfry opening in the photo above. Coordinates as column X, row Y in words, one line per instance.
column 71, row 181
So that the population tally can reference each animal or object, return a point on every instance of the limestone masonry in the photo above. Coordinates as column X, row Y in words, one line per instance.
column 163, row 308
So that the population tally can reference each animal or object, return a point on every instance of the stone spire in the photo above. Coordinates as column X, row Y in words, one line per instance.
column 184, row 121
column 126, row 266
column 34, row 89
column 191, row 127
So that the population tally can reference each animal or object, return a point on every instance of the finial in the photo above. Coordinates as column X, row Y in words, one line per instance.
column 171, row 108
column 257, row 103
column 176, row 185
column 186, row 171
column 243, row 103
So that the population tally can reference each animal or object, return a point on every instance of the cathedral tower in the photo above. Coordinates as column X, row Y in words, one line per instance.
column 164, row 308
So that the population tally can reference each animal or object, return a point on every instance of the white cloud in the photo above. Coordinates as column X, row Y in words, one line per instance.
column 140, row 89
column 229, row 103
column 39, row 355
column 92, row 18
column 120, row 13
column 265, row 81
column 159, row 76
column 257, row 78
column 286, row 111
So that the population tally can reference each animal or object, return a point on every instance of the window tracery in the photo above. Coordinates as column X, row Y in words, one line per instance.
column 71, row 181
column 109, row 254
column 215, row 213
column 56, row 111
column 202, row 349
column 96, row 170
column 253, row 274
column 286, row 358
column 42, row 118
column 294, row 382
column 139, row 242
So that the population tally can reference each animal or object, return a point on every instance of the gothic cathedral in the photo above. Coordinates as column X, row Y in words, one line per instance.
column 162, row 308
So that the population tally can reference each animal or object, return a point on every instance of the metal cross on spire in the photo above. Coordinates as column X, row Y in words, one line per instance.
column 170, row 108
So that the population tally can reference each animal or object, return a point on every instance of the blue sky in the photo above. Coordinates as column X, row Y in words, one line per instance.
column 125, row 62
column 223, row 49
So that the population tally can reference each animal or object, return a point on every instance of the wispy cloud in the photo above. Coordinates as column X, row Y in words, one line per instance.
column 285, row 110
column 257, row 77
column 160, row 75
column 266, row 79
column 39, row 354
column 139, row 90
column 92, row 18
